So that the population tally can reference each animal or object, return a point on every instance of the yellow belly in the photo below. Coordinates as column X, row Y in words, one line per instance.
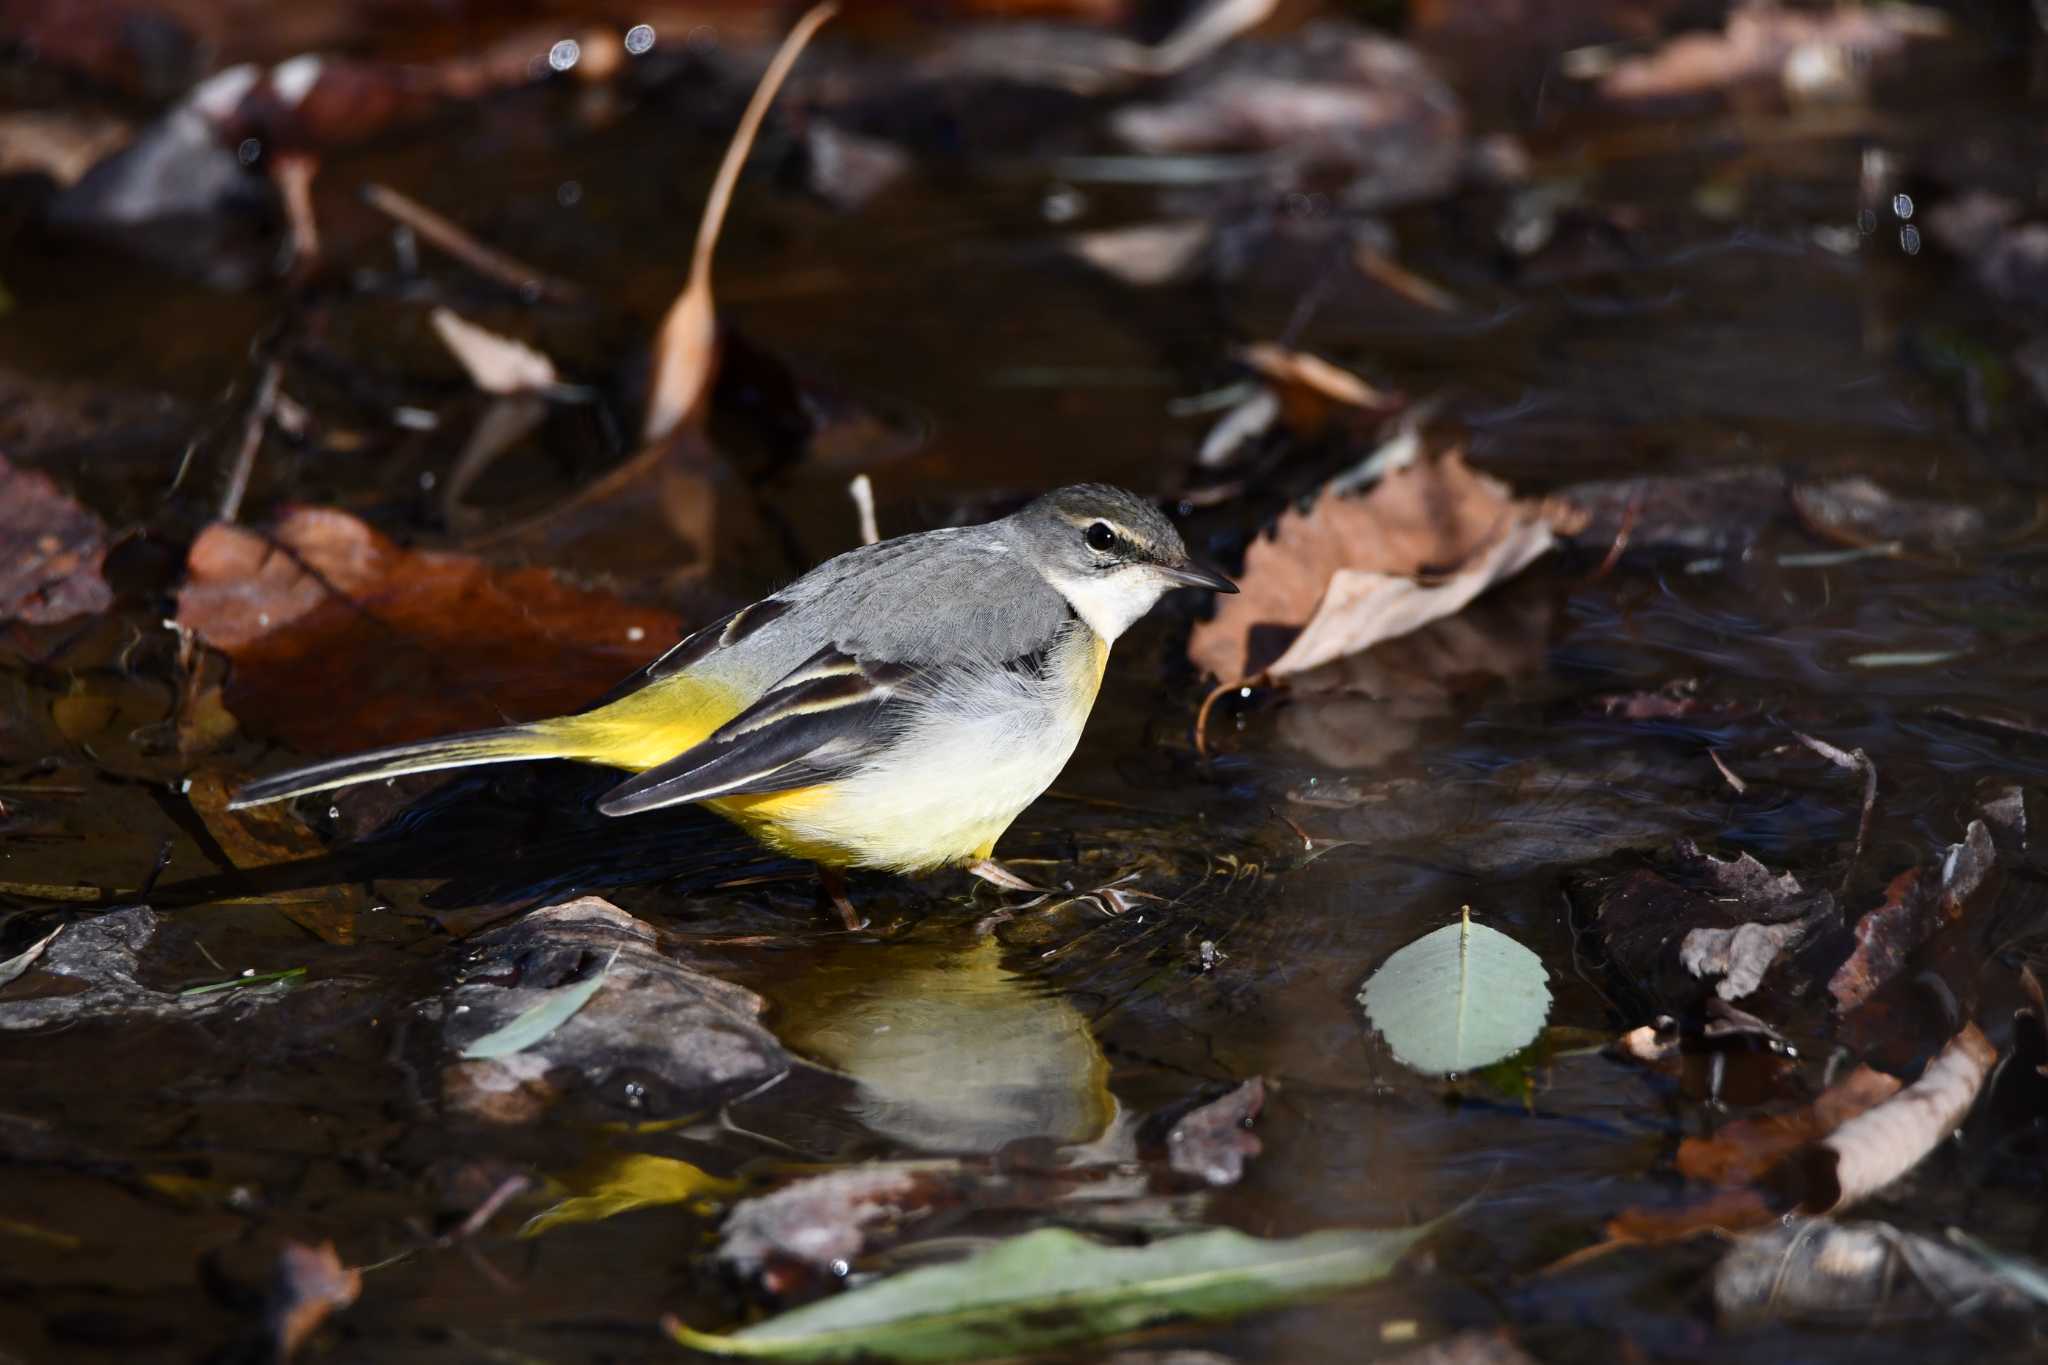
column 945, row 805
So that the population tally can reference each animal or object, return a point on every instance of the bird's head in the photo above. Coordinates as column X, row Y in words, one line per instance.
column 1110, row 553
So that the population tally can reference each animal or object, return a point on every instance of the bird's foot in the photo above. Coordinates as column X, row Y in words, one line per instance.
column 832, row 886
column 995, row 874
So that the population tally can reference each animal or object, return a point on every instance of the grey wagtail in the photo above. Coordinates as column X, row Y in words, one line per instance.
column 895, row 708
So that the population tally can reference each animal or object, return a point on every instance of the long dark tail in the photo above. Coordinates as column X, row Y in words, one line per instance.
column 455, row 751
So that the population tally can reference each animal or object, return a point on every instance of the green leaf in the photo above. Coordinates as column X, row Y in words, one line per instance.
column 555, row 1008
column 1055, row 1288
column 235, row 983
column 1458, row 999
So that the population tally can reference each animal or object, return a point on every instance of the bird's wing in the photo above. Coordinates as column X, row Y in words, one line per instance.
column 817, row 722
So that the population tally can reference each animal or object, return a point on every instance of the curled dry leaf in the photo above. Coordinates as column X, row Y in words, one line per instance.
column 685, row 348
column 1741, row 1152
column 312, row 1283
column 51, row 551
column 1348, row 569
column 1212, row 1143
column 437, row 642
column 1871, row 1150
column 264, row 836
column 1144, row 254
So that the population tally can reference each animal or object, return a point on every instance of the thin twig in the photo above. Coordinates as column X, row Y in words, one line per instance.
column 1733, row 781
column 487, row 261
column 1202, row 716
column 253, row 427
column 1621, row 535
column 1853, row 760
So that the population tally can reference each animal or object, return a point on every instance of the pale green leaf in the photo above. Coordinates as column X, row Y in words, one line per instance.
column 1458, row 999
column 1055, row 1288
column 554, row 1009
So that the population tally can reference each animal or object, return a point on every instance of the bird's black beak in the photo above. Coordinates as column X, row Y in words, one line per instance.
column 1193, row 575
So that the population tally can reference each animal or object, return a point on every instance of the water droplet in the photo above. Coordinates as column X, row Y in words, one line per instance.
column 841, row 1269
column 1909, row 240
column 1063, row 204
column 640, row 38
column 569, row 193
column 426, row 480
column 1902, row 205
column 249, row 151
column 636, row 633
column 565, row 54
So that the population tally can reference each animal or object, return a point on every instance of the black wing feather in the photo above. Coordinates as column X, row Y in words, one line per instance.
column 817, row 723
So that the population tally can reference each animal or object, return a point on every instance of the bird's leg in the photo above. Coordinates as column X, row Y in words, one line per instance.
column 995, row 874
column 832, row 881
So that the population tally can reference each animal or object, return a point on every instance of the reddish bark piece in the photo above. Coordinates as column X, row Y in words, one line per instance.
column 1917, row 904
column 1431, row 519
column 1744, row 1150
column 51, row 551
column 342, row 640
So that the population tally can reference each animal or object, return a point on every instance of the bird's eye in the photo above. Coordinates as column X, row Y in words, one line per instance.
column 1100, row 538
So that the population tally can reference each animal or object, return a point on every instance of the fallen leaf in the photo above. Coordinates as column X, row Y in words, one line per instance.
column 1717, row 513
column 1867, row 1274
column 51, row 552
column 1212, row 1143
column 1145, row 254
column 1859, row 512
column 1739, row 956
column 621, row 1182
column 312, row 1284
column 824, row 1221
column 685, row 346
column 1299, row 369
column 265, row 836
column 62, row 145
column 1784, row 916
column 497, row 364
column 1918, row 902
column 1349, row 566
column 26, row 958
column 1769, row 43
column 1875, row 1148
column 1332, row 102
column 1742, row 1152
column 532, row 1025
column 1054, row 1288
column 848, row 170
column 1457, row 999
column 437, row 642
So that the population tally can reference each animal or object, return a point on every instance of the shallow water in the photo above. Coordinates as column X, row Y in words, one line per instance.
column 147, row 1166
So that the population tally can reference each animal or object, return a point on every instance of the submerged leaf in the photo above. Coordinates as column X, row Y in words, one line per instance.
column 26, row 958
column 556, row 1008
column 1457, row 999
column 626, row 1181
column 1054, row 1288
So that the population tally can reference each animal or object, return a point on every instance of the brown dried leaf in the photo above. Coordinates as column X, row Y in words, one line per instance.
column 62, row 145
column 51, row 550
column 311, row 1283
column 430, row 642
column 1873, row 1149
column 1741, row 1152
column 1438, row 519
column 1859, row 512
column 1212, row 1143
column 264, row 836
column 685, row 349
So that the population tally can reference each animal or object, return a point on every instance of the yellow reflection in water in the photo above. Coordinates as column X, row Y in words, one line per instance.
column 953, row 1053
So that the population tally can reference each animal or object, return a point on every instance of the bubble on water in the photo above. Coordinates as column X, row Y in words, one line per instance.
column 569, row 193
column 640, row 38
column 1063, row 204
column 1909, row 240
column 248, row 151
column 565, row 54
column 1902, row 205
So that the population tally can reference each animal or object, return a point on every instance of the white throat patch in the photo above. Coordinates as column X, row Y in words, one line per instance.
column 1110, row 602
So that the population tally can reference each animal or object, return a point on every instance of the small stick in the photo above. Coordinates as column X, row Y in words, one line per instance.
column 1854, row 760
column 1202, row 715
column 253, row 427
column 1733, row 781
column 863, row 492
column 1621, row 535
column 487, row 261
